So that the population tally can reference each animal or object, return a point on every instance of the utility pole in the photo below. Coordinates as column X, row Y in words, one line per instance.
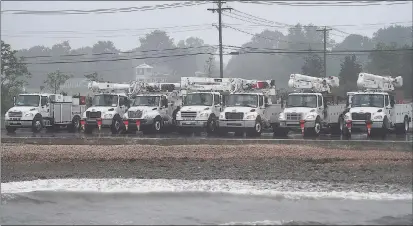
column 219, row 10
column 324, row 30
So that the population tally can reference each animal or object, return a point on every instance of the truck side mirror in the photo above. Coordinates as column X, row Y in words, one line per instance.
column 14, row 101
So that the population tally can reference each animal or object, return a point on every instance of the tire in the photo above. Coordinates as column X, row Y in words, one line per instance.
column 11, row 129
column 75, row 126
column 403, row 128
column 314, row 132
column 117, row 125
column 37, row 124
column 257, row 130
column 211, row 125
column 338, row 129
column 157, row 125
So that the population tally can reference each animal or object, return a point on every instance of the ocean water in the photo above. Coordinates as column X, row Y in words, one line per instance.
column 225, row 202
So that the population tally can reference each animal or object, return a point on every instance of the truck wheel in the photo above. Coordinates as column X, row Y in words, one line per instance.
column 315, row 131
column 11, row 129
column 211, row 125
column 157, row 125
column 37, row 124
column 403, row 128
column 117, row 125
column 257, row 130
column 75, row 126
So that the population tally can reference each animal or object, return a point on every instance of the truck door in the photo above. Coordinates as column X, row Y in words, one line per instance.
column 164, row 108
column 44, row 106
column 389, row 103
column 122, row 105
column 320, row 107
column 217, row 105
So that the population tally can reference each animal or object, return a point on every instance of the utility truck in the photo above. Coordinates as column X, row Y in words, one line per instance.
column 373, row 109
column 310, row 108
column 203, row 101
column 45, row 110
column 249, row 108
column 153, row 107
column 109, row 104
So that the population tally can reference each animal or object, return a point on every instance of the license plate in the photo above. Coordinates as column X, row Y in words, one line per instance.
column 234, row 124
column 188, row 119
column 293, row 123
column 188, row 123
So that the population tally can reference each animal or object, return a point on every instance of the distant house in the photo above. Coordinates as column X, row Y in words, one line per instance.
column 147, row 73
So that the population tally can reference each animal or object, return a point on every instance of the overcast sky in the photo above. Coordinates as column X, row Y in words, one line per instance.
column 25, row 31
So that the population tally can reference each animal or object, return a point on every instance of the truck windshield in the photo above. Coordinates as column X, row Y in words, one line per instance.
column 368, row 100
column 198, row 99
column 105, row 100
column 146, row 101
column 28, row 100
column 309, row 101
column 244, row 100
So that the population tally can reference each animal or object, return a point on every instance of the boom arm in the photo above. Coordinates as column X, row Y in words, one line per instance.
column 107, row 86
column 377, row 82
column 305, row 82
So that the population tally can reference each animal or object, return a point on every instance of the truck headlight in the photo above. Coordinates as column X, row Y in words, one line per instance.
column 28, row 115
column 378, row 117
column 281, row 116
column 204, row 114
column 346, row 117
column 250, row 117
column 221, row 116
column 310, row 117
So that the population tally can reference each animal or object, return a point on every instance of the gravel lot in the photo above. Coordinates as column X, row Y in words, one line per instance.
column 262, row 162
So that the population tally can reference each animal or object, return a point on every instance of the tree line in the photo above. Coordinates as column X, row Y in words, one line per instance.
column 46, row 68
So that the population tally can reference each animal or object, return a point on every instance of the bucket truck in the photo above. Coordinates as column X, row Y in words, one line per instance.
column 202, row 103
column 308, row 109
column 249, row 108
column 373, row 108
column 45, row 110
column 153, row 107
column 109, row 104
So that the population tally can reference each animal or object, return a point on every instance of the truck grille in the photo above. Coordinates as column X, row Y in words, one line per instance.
column 293, row 116
column 93, row 114
column 188, row 114
column 360, row 116
column 135, row 114
column 234, row 115
column 15, row 114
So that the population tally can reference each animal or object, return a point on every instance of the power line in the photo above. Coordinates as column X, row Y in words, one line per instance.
column 231, row 53
column 326, row 4
column 102, row 11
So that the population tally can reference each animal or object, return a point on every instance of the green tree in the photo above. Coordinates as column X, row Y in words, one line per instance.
column 13, row 75
column 313, row 66
column 55, row 80
column 350, row 69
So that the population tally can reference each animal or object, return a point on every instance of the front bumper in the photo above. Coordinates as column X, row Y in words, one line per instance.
column 18, row 123
column 132, row 123
column 236, row 124
column 295, row 125
column 361, row 124
column 106, row 123
column 192, row 123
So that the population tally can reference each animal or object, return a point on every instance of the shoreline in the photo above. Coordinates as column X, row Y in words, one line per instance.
column 206, row 162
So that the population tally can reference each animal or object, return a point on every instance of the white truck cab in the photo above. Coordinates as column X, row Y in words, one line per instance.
column 309, row 111
column 250, row 108
column 202, row 103
column 154, row 110
column 45, row 110
column 373, row 109
column 108, row 107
